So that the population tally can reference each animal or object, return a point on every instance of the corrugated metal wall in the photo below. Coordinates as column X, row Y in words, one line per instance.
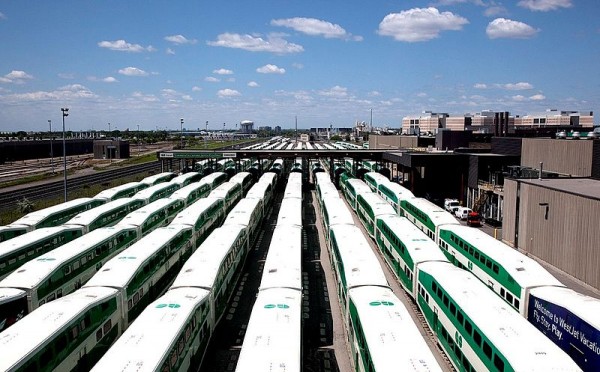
column 567, row 238
column 509, row 211
column 572, row 157
column 392, row 142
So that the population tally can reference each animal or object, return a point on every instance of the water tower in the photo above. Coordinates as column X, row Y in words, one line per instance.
column 246, row 126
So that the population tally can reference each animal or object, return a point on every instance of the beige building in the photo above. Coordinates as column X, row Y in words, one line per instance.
column 426, row 122
column 556, row 118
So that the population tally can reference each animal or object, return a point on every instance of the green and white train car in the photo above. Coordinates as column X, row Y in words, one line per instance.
column 48, row 217
column 283, row 265
column 353, row 261
column 170, row 335
column 230, row 192
column 404, row 247
column 122, row 191
column 203, row 217
column 335, row 212
column 68, row 334
column 192, row 192
column 370, row 207
column 144, row 271
column 374, row 180
column 509, row 273
column 244, row 179
column 158, row 178
column 262, row 191
column 214, row 179
column 17, row 251
column 65, row 269
column 186, row 179
column 249, row 214
column 426, row 216
column 477, row 330
column 394, row 194
column 290, row 212
column 325, row 190
column 383, row 336
column 159, row 191
column 354, row 187
column 216, row 266
column 156, row 214
column 105, row 215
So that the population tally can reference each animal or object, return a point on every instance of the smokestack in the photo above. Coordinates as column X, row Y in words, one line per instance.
column 506, row 123
column 496, row 120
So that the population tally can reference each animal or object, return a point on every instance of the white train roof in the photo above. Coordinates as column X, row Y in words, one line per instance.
column 273, row 339
column 185, row 191
column 34, row 218
column 359, row 261
column 139, row 216
column 327, row 189
column 151, row 190
column 150, row 180
column 146, row 343
column 337, row 212
column 283, row 266
column 322, row 178
column 379, row 206
column 359, row 186
column 9, row 246
column 241, row 214
column 400, row 191
column 201, row 269
column 290, row 212
column 394, row 341
column 438, row 215
column 120, row 270
column 34, row 272
column 526, row 271
column 8, row 295
column 293, row 189
column 420, row 247
column 110, row 193
column 184, row 177
column 378, row 177
column 258, row 190
column 190, row 215
column 222, row 190
column 517, row 339
column 211, row 177
column 89, row 216
column 35, row 329
column 240, row 177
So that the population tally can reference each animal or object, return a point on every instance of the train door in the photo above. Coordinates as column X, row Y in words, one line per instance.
column 435, row 320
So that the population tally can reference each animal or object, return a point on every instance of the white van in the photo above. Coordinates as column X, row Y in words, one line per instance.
column 462, row 213
column 451, row 205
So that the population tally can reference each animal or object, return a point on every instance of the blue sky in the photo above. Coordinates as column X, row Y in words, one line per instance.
column 150, row 63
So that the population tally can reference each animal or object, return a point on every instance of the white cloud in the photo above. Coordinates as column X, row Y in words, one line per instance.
column 65, row 93
column 506, row 28
column 132, row 71
column 110, row 79
column 196, row 89
column 537, row 97
column 274, row 43
column 15, row 77
column 180, row 39
column 211, row 79
column 374, row 93
column 170, row 51
column 515, row 86
column 173, row 96
column 2, row 16
column 270, row 69
column 544, row 5
column 336, row 92
column 228, row 93
column 253, row 84
column 123, row 46
column 519, row 98
column 223, row 71
column 480, row 86
column 315, row 27
column 299, row 66
column 419, row 24
column 145, row 97
column 494, row 11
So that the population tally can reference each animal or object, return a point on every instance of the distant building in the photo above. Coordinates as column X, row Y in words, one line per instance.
column 556, row 118
column 304, row 137
column 277, row 129
column 428, row 121
column 111, row 149
column 265, row 128
column 324, row 133
column 246, row 126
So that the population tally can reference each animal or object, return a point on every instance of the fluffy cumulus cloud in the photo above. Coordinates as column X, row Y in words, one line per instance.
column 170, row 52
column 180, row 40
column 270, row 69
column 224, row 93
column 480, row 86
column 419, row 24
column 515, row 86
column 335, row 92
column 253, row 84
column 65, row 93
column 15, row 77
column 132, row 71
column 223, row 71
column 274, row 43
column 537, row 97
column 196, row 89
column 211, row 79
column 108, row 79
column 123, row 46
column 316, row 27
column 545, row 5
column 509, row 29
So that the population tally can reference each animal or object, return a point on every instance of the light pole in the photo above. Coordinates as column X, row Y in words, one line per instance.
column 109, row 129
column 51, row 147
column 138, row 139
column 206, row 135
column 65, row 113
column 181, row 123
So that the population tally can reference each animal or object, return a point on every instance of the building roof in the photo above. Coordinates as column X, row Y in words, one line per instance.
column 584, row 187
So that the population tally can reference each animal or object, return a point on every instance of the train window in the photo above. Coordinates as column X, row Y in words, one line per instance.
column 509, row 297
column 107, row 326
column 98, row 335
column 173, row 360
column 51, row 297
column 477, row 337
column 136, row 298
column 516, row 302
column 498, row 363
column 46, row 357
column 460, row 317
column 434, row 286
column 502, row 292
column 453, row 309
column 487, row 350
column 61, row 342
column 445, row 300
column 476, row 255
column 129, row 304
column 488, row 263
column 495, row 269
column 74, row 332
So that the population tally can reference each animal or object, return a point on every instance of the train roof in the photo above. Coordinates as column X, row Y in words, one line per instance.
column 33, row 218
column 149, row 191
column 358, row 185
column 268, row 177
column 379, row 206
column 224, row 188
column 258, row 190
column 36, row 329
column 274, row 333
column 120, row 270
column 184, row 177
column 33, row 272
column 377, row 177
column 337, row 212
column 185, row 191
column 240, row 177
column 241, row 213
column 147, row 342
column 8, row 295
column 139, row 216
column 152, row 180
column 525, row 271
column 293, row 189
column 323, row 177
column 9, row 246
column 212, row 177
column 420, row 247
column 283, row 265
column 584, row 307
column 89, row 216
column 401, row 191
column 189, row 216
column 110, row 193
column 393, row 339
column 202, row 268
column 361, row 266
column 327, row 189
column 290, row 212
column 438, row 215
column 517, row 339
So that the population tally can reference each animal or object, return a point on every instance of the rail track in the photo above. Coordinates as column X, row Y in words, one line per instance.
column 8, row 199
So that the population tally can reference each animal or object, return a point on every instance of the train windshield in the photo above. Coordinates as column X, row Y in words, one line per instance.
column 12, row 310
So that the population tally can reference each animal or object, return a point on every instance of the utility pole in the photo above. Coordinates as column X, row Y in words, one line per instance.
column 51, row 147
column 65, row 113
